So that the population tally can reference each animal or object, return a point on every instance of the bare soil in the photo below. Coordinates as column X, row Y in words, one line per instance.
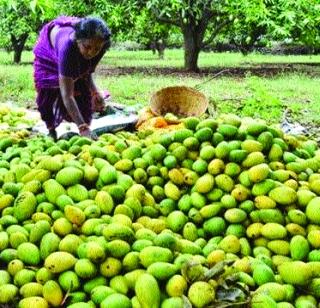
column 261, row 70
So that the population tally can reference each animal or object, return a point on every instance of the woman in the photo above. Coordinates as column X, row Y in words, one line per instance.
column 66, row 54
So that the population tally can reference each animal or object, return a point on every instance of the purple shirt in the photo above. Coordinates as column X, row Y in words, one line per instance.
column 64, row 59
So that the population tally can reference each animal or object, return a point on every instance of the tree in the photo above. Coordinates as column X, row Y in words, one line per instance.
column 76, row 8
column 269, row 20
column 244, row 22
column 298, row 20
column 148, row 31
column 249, row 26
column 193, row 17
column 126, row 20
column 19, row 18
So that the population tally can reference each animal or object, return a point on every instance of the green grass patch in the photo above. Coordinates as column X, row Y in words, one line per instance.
column 16, row 83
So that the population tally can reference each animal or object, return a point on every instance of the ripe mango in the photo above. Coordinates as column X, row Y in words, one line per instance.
column 201, row 294
column 258, row 173
column 33, row 301
column 261, row 300
column 299, row 247
column 162, row 270
column 69, row 281
column 153, row 254
column 49, row 243
column 276, row 291
column 28, row 253
column 172, row 191
column 230, row 244
column 53, row 190
column 313, row 210
column 176, row 286
column 279, row 247
column 273, row 231
column 295, row 272
column 59, row 261
column 147, row 291
column 283, row 195
column 52, row 293
column 262, row 274
column 204, row 184
column 24, row 205
column 8, row 293
column 74, row 214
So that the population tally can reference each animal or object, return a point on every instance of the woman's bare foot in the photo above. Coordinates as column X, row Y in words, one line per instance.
column 53, row 134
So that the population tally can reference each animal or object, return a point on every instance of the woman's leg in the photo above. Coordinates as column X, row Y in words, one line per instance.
column 45, row 100
column 51, row 109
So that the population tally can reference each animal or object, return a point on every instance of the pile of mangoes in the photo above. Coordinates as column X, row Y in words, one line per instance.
column 222, row 212
column 14, row 117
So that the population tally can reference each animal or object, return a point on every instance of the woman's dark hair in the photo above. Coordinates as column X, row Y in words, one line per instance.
column 91, row 27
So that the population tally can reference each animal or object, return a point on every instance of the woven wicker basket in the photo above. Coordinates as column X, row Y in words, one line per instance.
column 180, row 100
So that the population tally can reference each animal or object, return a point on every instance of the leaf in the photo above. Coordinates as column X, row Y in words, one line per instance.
column 217, row 269
column 33, row 5
column 232, row 294
column 11, row 4
column 186, row 302
column 192, row 271
column 243, row 304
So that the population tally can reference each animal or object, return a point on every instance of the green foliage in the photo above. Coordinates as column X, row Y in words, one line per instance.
column 20, row 18
column 299, row 20
column 261, row 22
column 244, row 23
column 199, row 23
column 147, row 29
column 249, row 24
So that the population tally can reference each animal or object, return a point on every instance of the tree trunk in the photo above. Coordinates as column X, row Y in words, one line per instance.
column 160, row 46
column 18, row 45
column 192, row 47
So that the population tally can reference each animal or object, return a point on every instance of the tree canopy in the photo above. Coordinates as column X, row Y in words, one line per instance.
column 19, row 19
column 200, row 22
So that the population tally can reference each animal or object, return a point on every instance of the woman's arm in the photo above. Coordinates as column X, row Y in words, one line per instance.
column 97, row 97
column 66, row 89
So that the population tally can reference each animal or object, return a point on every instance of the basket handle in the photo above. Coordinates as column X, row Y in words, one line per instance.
column 199, row 85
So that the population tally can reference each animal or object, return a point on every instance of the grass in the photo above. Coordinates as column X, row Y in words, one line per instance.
column 266, row 97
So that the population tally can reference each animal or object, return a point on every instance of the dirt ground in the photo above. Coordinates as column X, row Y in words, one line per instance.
column 261, row 70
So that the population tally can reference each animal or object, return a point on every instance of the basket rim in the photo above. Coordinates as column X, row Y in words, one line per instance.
column 205, row 100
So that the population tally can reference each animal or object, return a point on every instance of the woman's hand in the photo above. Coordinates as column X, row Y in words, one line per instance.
column 88, row 133
column 97, row 102
column 85, row 131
